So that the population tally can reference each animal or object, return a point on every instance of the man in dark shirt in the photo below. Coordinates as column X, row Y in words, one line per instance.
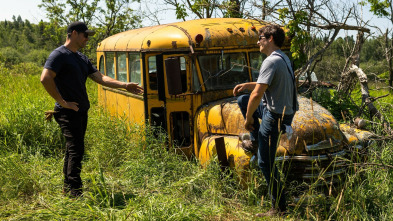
column 64, row 78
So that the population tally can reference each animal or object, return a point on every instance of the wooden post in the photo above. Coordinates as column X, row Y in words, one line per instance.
column 221, row 153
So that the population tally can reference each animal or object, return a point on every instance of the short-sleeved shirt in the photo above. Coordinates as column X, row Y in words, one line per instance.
column 72, row 70
column 279, row 94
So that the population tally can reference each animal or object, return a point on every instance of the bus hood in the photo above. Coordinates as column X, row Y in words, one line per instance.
column 315, row 130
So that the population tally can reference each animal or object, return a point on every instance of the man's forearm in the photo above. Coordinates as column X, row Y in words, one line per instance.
column 255, row 99
column 110, row 82
column 48, row 82
column 253, row 103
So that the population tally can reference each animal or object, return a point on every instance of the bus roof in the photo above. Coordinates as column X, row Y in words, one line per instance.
column 217, row 33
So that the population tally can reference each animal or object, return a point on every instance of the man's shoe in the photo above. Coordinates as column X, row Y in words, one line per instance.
column 271, row 213
column 246, row 143
column 66, row 190
column 249, row 146
column 76, row 193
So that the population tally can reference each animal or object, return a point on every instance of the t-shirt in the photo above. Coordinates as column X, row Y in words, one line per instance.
column 279, row 94
column 72, row 70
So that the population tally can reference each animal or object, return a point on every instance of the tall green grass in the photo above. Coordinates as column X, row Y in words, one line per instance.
column 126, row 178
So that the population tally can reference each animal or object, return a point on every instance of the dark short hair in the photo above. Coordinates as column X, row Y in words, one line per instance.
column 273, row 30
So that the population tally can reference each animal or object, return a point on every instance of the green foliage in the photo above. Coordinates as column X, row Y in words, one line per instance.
column 374, row 68
column 26, row 69
column 298, row 36
column 126, row 176
column 198, row 6
column 208, row 8
column 22, row 126
column 106, row 17
column 129, row 174
column 37, row 56
column 181, row 12
column 385, row 75
column 9, row 56
column 59, row 11
column 21, row 41
column 372, row 50
column 330, row 99
column 379, row 7
column 232, row 9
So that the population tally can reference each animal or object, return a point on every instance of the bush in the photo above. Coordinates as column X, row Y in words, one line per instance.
column 384, row 76
column 373, row 68
column 26, row 69
column 3, row 69
column 10, row 56
column 37, row 56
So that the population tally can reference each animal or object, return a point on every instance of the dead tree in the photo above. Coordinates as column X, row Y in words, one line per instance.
column 349, row 77
column 388, row 56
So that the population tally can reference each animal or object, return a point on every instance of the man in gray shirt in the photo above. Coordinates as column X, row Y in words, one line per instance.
column 273, row 99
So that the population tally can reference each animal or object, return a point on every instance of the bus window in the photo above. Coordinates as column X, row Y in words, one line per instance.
column 196, row 86
column 223, row 71
column 183, row 73
column 256, row 59
column 135, row 67
column 153, row 72
column 101, row 65
column 121, row 62
column 110, row 64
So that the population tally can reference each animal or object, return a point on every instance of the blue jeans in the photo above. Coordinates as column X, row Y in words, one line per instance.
column 267, row 136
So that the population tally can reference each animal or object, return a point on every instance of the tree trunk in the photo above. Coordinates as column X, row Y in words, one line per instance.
column 388, row 56
column 348, row 81
column 264, row 9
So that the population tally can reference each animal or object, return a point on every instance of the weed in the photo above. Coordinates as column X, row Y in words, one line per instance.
column 130, row 174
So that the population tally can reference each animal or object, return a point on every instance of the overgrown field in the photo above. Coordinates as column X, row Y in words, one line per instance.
column 129, row 178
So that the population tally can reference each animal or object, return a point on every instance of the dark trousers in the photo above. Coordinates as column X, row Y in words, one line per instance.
column 73, row 126
column 267, row 136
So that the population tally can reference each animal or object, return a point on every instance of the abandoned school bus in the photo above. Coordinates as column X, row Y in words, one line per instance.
column 188, row 70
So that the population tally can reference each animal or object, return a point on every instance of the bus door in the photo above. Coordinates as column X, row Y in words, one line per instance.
column 155, row 100
column 178, row 100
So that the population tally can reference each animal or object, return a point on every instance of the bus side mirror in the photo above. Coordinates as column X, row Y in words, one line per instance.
column 173, row 75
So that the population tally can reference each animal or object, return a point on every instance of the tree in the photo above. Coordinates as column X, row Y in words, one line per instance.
column 185, row 9
column 105, row 17
column 308, row 20
column 347, row 82
column 384, row 9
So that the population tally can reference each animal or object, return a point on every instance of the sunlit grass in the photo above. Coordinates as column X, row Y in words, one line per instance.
column 126, row 178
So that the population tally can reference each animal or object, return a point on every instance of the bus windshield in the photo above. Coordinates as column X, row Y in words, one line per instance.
column 223, row 71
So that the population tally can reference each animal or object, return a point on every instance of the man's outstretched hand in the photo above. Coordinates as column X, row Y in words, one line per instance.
column 134, row 88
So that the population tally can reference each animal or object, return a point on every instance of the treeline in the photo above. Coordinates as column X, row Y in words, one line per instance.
column 24, row 42
column 372, row 59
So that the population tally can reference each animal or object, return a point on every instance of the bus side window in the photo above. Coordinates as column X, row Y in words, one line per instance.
column 196, row 86
column 101, row 65
column 121, row 66
column 135, row 67
column 153, row 73
column 110, row 64
column 256, row 59
column 183, row 74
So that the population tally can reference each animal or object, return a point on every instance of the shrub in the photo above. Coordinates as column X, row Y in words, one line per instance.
column 37, row 56
column 10, row 56
column 26, row 69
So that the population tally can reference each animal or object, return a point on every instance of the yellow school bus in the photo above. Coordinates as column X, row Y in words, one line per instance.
column 188, row 71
